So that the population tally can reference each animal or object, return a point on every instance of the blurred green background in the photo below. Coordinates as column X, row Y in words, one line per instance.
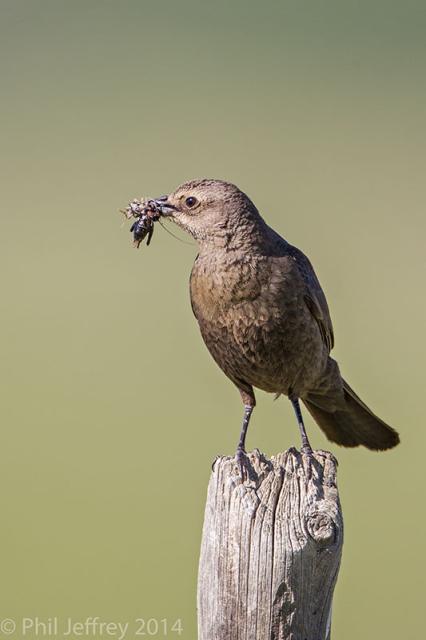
column 112, row 408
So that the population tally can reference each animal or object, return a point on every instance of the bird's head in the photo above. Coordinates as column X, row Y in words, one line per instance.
column 212, row 211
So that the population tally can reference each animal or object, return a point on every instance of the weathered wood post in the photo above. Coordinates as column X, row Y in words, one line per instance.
column 271, row 549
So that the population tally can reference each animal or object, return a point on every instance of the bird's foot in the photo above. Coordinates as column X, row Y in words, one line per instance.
column 216, row 458
column 243, row 463
column 308, row 457
column 307, row 450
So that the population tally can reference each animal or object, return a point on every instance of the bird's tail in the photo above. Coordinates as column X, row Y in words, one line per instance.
column 350, row 423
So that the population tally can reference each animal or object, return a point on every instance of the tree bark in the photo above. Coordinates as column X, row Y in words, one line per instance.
column 271, row 549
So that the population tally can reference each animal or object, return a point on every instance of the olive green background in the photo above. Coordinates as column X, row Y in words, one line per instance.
column 112, row 408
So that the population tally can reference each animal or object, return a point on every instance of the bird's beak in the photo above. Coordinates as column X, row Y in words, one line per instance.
column 164, row 206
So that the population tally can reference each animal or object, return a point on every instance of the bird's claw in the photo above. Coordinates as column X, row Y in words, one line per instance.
column 216, row 458
column 308, row 455
column 306, row 450
column 243, row 463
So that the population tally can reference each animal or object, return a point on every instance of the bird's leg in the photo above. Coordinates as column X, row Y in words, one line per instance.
column 306, row 446
column 241, row 451
column 240, row 455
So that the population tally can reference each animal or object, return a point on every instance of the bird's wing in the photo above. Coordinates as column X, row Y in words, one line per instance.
column 324, row 321
column 314, row 297
column 191, row 296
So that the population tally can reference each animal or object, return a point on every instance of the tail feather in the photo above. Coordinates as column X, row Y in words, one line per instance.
column 352, row 423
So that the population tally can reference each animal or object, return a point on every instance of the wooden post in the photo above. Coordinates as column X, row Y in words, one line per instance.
column 271, row 549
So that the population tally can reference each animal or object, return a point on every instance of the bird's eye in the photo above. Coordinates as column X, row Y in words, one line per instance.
column 191, row 202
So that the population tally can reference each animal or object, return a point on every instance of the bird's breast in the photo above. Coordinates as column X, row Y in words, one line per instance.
column 254, row 321
column 217, row 285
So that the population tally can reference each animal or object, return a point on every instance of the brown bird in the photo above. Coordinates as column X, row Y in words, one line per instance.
column 264, row 317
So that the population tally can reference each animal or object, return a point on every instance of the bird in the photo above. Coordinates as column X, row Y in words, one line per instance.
column 264, row 317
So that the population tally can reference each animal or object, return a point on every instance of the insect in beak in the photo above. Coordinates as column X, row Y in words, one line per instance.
column 146, row 213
